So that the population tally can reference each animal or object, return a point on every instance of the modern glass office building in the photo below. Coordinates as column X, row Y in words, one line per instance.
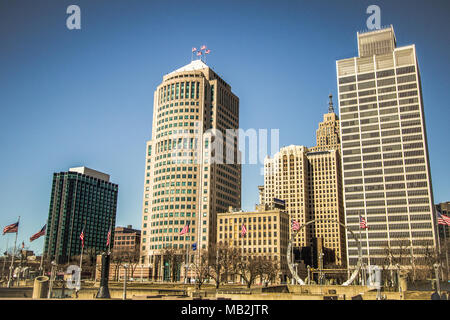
column 81, row 197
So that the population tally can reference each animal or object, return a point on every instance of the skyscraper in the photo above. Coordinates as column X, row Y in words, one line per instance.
column 328, row 134
column 286, row 177
column 386, row 170
column 81, row 198
column 309, row 180
column 193, row 106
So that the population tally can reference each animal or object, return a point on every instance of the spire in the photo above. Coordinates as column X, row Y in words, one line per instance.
column 330, row 104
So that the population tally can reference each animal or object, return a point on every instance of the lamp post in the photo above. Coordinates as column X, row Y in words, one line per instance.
column 436, row 273
column 309, row 274
column 125, row 266
column 321, row 254
column 52, row 276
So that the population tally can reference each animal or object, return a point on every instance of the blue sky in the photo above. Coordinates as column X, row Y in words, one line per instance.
column 85, row 97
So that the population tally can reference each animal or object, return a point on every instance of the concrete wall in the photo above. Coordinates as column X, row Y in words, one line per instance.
column 117, row 293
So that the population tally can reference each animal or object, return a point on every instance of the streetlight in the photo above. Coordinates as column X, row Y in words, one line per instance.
column 52, row 276
column 309, row 273
column 125, row 266
column 436, row 272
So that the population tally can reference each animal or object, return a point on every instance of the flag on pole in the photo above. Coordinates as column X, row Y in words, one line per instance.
column 185, row 229
column 23, row 245
column 203, row 47
column 362, row 223
column 108, row 237
column 38, row 234
column 194, row 246
column 295, row 225
column 442, row 219
column 12, row 228
column 207, row 51
column 82, row 238
column 243, row 230
column 194, row 49
column 199, row 53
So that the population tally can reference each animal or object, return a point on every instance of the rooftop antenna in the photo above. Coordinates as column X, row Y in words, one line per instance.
column 330, row 104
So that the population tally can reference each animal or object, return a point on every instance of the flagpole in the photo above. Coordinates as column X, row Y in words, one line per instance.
column 41, row 269
column 82, row 248
column 446, row 249
column 368, row 246
column 14, row 253
column 5, row 257
column 110, row 236
column 42, row 262
column 186, row 263
column 360, row 246
column 243, row 235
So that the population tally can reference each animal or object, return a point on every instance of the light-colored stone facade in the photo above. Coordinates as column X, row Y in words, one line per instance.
column 309, row 180
column 384, row 148
column 267, row 234
column 182, row 185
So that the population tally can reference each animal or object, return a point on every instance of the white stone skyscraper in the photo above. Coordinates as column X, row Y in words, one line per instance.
column 386, row 172
column 182, row 186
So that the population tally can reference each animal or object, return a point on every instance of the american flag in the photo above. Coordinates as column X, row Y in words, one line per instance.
column 243, row 230
column 203, row 47
column 363, row 223
column 108, row 237
column 199, row 53
column 295, row 225
column 194, row 49
column 207, row 51
column 441, row 219
column 12, row 228
column 82, row 238
column 39, row 234
column 185, row 229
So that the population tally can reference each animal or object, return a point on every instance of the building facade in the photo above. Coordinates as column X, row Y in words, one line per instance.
column 386, row 170
column 127, row 239
column 80, row 198
column 286, row 178
column 309, row 181
column 184, row 184
column 328, row 134
column 267, row 235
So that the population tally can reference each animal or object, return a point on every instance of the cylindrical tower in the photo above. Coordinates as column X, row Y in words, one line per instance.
column 182, row 187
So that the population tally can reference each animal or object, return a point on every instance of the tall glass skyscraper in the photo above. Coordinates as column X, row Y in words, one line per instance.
column 193, row 106
column 81, row 198
column 385, row 161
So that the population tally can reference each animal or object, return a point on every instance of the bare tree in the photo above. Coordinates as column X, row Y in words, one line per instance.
column 201, row 268
column 131, row 257
column 117, row 260
column 270, row 269
column 248, row 268
column 223, row 263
